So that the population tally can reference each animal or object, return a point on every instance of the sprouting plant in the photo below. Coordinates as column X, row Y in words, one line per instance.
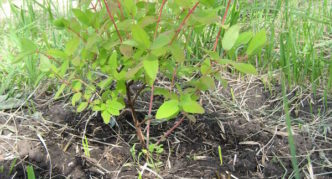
column 154, row 151
column 133, row 153
column 119, row 49
column 12, row 166
column 31, row 173
column 220, row 155
column 86, row 146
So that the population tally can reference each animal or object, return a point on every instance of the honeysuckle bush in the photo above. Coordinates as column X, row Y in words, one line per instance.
column 116, row 45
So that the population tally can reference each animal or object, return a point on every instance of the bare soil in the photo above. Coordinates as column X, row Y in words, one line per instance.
column 254, row 148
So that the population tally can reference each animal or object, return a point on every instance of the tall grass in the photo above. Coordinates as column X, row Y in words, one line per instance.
column 299, row 38
column 291, row 142
column 29, row 19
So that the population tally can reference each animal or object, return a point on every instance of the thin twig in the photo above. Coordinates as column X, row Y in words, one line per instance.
column 152, row 87
column 160, row 12
column 222, row 23
column 177, row 33
column 170, row 130
column 173, row 78
column 76, row 33
column 138, row 93
column 120, row 7
column 133, row 114
column 183, row 23
column 149, row 117
column 112, row 19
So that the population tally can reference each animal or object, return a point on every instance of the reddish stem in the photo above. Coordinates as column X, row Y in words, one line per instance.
column 173, row 78
column 170, row 130
column 76, row 33
column 183, row 23
column 160, row 12
column 112, row 19
column 120, row 7
column 48, row 56
column 134, row 116
column 149, row 117
column 177, row 33
column 152, row 87
column 222, row 23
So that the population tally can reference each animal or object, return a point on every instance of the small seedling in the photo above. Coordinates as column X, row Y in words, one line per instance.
column 12, row 165
column 220, row 155
column 31, row 173
column 86, row 147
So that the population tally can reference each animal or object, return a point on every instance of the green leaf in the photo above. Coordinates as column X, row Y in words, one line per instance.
column 63, row 68
column 60, row 90
column 147, row 20
column 256, row 43
column 126, row 24
column 168, row 109
column 214, row 55
column 162, row 92
column 190, row 106
column 159, row 52
column 77, row 85
column 31, row 173
column 126, row 50
column 230, row 37
column 82, row 106
column 96, row 108
column 209, row 3
column 130, row 43
column 121, row 87
column 206, row 16
column 113, row 62
column 132, row 72
column 57, row 53
column 184, row 4
column 130, row 7
column 242, row 67
column 60, row 23
column 243, row 39
column 224, row 61
column 72, row 45
column 91, row 43
column 206, row 67
column 106, row 116
column 44, row 63
column 114, row 107
column 141, row 37
column 206, row 83
column 27, row 45
column 76, row 61
column 161, row 41
column 178, row 52
column 151, row 67
column 81, row 16
column 105, row 83
column 245, row 68
column 76, row 97
column 22, row 55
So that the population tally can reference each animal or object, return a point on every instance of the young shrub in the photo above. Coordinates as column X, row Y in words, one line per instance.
column 117, row 44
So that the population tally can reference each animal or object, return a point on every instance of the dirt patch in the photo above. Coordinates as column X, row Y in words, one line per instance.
column 250, row 148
